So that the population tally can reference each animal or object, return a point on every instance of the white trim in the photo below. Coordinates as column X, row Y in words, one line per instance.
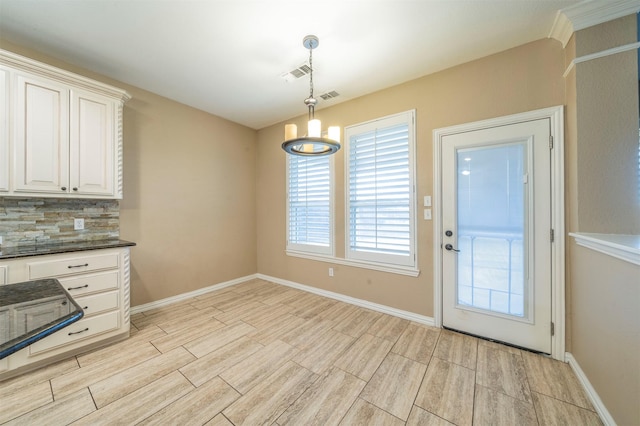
column 624, row 247
column 44, row 70
column 369, row 258
column 602, row 54
column 556, row 118
column 180, row 297
column 602, row 411
column 562, row 29
column 392, row 269
column 353, row 301
column 310, row 248
column 587, row 14
column 421, row 319
column 594, row 12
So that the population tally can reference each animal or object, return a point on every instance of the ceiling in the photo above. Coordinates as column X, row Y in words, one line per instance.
column 227, row 57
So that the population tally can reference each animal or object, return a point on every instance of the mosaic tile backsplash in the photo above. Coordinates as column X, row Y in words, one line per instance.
column 28, row 221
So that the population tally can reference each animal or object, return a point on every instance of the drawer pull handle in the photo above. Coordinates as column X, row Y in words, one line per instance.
column 76, row 288
column 77, row 266
column 78, row 332
column 86, row 307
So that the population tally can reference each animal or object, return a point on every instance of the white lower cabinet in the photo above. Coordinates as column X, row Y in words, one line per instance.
column 98, row 280
column 4, row 319
column 77, row 332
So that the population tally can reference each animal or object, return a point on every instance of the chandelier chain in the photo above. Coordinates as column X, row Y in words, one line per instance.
column 311, row 73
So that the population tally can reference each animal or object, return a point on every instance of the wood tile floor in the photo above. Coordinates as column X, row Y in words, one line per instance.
column 261, row 353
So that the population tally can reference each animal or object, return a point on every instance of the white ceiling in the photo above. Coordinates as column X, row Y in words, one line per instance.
column 227, row 56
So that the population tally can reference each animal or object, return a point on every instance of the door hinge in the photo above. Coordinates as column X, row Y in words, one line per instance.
column 550, row 142
column 553, row 329
column 553, row 235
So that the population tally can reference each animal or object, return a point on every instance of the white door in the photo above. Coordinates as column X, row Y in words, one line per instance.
column 496, row 233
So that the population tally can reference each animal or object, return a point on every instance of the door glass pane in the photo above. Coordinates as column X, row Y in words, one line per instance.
column 491, row 201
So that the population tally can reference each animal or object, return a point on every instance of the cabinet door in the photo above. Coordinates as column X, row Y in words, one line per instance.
column 4, row 130
column 5, row 335
column 41, row 133
column 92, row 144
column 31, row 316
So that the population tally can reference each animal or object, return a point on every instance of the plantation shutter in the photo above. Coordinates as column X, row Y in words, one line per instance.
column 309, row 210
column 380, row 191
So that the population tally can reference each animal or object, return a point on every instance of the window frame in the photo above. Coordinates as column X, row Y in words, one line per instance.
column 311, row 249
column 400, row 262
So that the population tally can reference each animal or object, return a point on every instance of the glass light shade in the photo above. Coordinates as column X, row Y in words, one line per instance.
column 290, row 132
column 315, row 128
column 334, row 133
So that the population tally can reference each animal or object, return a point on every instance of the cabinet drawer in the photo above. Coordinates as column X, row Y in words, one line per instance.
column 90, row 283
column 97, row 303
column 72, row 265
column 80, row 330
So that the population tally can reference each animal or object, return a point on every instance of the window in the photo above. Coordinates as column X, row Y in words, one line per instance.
column 380, row 190
column 310, row 204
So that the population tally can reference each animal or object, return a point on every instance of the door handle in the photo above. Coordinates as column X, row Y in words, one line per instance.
column 449, row 247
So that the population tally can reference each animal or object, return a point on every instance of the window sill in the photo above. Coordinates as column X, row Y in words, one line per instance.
column 392, row 269
column 625, row 247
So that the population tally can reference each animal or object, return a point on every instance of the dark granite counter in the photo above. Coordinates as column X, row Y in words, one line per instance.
column 32, row 310
column 52, row 248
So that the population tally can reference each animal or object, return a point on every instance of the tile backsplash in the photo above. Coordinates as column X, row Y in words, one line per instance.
column 27, row 221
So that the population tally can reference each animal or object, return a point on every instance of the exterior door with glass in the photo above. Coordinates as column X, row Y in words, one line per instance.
column 496, row 225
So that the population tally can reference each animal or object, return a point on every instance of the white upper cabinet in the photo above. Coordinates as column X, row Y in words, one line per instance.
column 41, row 136
column 92, row 148
column 66, row 133
column 4, row 130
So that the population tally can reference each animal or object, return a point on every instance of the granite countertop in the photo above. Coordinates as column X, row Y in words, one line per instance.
column 53, row 248
column 19, row 304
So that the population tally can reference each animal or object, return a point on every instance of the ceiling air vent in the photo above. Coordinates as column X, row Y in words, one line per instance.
column 329, row 95
column 296, row 73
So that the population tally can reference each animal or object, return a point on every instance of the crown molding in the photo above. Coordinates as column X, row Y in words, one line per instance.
column 587, row 14
column 44, row 70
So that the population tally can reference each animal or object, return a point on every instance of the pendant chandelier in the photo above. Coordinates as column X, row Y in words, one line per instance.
column 313, row 144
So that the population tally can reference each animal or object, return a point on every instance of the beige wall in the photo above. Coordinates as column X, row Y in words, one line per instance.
column 522, row 79
column 189, row 193
column 608, row 192
column 602, row 196
column 606, row 342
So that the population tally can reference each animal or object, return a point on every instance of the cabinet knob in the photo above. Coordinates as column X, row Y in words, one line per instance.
column 75, row 189
column 64, row 188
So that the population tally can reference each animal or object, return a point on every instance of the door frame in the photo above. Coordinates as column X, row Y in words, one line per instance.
column 556, row 118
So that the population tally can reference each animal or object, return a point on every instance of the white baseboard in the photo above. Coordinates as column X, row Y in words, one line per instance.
column 353, row 301
column 602, row 411
column 184, row 296
column 337, row 296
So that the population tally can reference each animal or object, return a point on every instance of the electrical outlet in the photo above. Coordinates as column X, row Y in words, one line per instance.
column 78, row 224
column 330, row 272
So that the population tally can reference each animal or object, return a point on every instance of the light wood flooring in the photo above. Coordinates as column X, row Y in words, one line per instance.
column 261, row 353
